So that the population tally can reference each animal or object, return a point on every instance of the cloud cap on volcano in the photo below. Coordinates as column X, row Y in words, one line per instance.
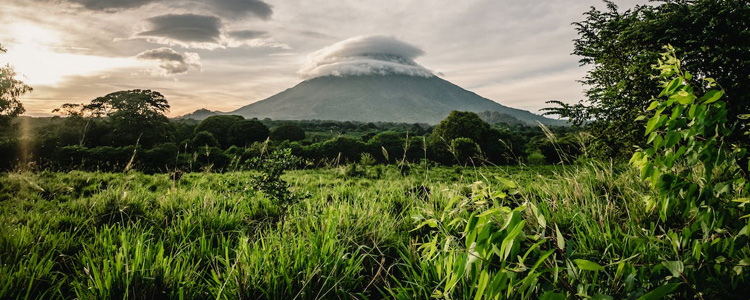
column 365, row 55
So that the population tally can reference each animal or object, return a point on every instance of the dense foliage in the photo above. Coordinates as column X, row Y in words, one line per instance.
column 702, row 191
column 94, row 138
column 132, row 117
column 713, row 36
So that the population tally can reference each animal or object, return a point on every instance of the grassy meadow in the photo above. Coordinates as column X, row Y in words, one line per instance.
column 349, row 235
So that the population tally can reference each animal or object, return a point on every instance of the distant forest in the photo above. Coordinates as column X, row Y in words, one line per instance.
column 90, row 140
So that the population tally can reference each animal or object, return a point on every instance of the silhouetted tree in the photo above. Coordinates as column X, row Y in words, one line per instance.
column 219, row 127
column 288, row 132
column 246, row 132
column 136, row 116
column 204, row 138
column 10, row 90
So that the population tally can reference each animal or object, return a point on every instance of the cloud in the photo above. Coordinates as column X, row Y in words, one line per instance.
column 172, row 62
column 188, row 30
column 203, row 32
column 224, row 8
column 241, row 8
column 111, row 5
column 247, row 34
column 365, row 55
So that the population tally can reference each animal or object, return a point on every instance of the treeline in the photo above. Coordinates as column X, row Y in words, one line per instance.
column 118, row 139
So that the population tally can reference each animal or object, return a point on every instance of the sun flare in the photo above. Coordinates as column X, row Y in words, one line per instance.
column 39, row 57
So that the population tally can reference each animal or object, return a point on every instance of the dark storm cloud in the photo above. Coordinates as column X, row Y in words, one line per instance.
column 170, row 61
column 241, row 8
column 202, row 31
column 247, row 34
column 184, row 29
column 111, row 5
column 224, row 8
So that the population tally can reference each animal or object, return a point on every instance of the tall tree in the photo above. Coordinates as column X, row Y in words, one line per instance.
column 136, row 116
column 713, row 36
column 10, row 90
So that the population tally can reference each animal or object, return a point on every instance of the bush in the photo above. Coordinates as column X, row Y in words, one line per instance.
column 205, row 138
column 246, row 132
column 465, row 150
column 289, row 132
column 219, row 127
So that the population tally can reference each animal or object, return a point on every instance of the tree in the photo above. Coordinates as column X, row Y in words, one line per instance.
column 10, row 90
column 468, row 125
column 136, row 116
column 288, row 132
column 388, row 143
column 713, row 35
column 246, row 132
column 219, row 126
column 460, row 124
column 204, row 138
column 465, row 150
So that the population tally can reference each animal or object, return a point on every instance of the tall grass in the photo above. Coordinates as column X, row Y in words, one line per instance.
column 94, row 235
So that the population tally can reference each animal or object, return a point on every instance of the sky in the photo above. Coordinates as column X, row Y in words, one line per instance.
column 225, row 54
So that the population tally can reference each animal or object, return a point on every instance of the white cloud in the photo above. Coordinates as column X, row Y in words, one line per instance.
column 172, row 62
column 365, row 55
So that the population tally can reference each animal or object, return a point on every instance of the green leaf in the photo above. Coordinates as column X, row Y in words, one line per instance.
column 711, row 97
column 660, row 292
column 559, row 238
column 507, row 244
column 672, row 86
column 683, row 97
column 691, row 111
column 651, row 124
column 506, row 183
column 676, row 267
column 588, row 265
column 653, row 105
column 672, row 139
column 431, row 223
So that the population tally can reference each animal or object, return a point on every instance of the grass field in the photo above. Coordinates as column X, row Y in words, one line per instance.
column 371, row 234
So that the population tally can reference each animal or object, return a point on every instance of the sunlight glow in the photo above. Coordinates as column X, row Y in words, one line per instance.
column 34, row 54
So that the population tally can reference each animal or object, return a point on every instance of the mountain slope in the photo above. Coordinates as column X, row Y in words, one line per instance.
column 372, row 98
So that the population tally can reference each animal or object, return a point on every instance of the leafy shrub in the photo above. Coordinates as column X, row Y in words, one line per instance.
column 465, row 150
column 245, row 132
column 219, row 127
column 204, row 138
column 288, row 132
column 269, row 180
column 701, row 189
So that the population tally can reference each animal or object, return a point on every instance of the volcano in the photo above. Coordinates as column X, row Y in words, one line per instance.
column 378, row 98
column 374, row 79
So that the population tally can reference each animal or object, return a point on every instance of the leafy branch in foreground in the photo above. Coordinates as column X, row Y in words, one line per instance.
column 701, row 189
